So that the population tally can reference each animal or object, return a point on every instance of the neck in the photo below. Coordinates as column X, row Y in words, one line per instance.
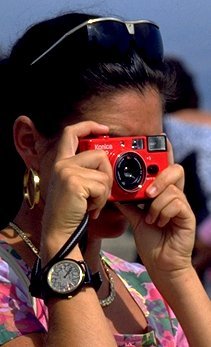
column 30, row 222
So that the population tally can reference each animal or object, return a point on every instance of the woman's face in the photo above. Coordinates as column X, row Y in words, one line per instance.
column 127, row 113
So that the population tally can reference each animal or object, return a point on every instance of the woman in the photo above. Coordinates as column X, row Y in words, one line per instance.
column 71, row 79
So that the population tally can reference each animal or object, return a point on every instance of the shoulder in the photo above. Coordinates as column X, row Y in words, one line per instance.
column 183, row 123
column 9, row 255
column 194, row 116
column 17, row 313
column 159, row 315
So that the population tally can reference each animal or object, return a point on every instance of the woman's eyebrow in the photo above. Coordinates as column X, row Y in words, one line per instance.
column 117, row 133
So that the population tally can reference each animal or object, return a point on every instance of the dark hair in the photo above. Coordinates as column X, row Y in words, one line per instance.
column 186, row 93
column 52, row 92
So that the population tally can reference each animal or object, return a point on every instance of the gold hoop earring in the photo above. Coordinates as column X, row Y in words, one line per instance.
column 31, row 188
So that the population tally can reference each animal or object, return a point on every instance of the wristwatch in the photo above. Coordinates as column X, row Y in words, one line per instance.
column 65, row 278
column 62, row 279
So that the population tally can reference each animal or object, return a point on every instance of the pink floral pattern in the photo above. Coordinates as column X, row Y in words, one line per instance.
column 18, row 316
column 17, row 311
column 163, row 327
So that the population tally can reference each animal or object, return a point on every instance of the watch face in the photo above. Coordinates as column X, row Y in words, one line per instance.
column 65, row 276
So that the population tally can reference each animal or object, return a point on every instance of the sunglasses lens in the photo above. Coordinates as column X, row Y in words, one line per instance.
column 109, row 38
column 112, row 40
column 149, row 43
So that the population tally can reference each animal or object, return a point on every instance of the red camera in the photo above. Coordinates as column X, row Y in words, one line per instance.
column 135, row 161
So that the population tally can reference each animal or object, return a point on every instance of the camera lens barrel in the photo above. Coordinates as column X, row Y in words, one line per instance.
column 130, row 171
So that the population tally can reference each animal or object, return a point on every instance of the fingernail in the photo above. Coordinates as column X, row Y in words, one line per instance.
column 152, row 190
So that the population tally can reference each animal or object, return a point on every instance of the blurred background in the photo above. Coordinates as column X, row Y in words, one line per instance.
column 185, row 26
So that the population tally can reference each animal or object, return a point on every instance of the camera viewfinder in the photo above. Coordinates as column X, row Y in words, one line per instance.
column 157, row 143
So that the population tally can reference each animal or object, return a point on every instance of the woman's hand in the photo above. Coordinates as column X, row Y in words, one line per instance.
column 165, row 233
column 78, row 183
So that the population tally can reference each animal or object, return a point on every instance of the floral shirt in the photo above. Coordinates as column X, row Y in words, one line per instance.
column 163, row 327
column 20, row 314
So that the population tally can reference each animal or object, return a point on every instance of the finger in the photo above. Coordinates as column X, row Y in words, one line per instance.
column 76, row 192
column 69, row 140
column 172, row 175
column 175, row 209
column 162, row 201
column 89, row 176
column 170, row 152
column 96, row 194
column 92, row 163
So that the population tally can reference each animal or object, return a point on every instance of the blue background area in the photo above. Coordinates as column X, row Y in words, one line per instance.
column 185, row 26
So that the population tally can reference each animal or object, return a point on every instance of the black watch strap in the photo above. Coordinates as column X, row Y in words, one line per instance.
column 38, row 273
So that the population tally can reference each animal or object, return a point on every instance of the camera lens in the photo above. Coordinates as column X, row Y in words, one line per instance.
column 130, row 171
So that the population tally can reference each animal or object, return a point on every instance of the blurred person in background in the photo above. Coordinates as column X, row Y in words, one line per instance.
column 188, row 127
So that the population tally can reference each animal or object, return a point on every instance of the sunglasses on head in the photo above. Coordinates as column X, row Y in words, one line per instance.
column 111, row 39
